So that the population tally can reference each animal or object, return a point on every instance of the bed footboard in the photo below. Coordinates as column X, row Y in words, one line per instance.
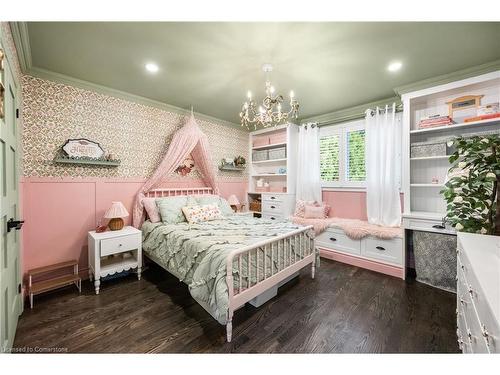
column 279, row 258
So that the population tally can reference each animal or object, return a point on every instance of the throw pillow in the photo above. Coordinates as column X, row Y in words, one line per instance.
column 198, row 214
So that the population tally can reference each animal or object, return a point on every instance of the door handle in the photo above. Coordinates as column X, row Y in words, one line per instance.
column 14, row 224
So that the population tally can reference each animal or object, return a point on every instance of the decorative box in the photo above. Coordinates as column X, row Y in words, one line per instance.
column 277, row 138
column 422, row 149
column 277, row 153
column 260, row 155
column 259, row 141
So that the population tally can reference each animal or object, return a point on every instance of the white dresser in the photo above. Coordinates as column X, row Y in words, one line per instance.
column 478, row 293
column 277, row 205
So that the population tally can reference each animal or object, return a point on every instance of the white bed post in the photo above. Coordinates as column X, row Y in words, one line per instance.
column 230, row 290
column 313, row 264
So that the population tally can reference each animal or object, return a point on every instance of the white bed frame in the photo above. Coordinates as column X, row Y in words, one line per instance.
column 290, row 265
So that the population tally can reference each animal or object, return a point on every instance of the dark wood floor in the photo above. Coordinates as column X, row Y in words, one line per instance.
column 344, row 310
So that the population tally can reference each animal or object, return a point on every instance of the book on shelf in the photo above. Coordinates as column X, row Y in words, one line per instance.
column 483, row 117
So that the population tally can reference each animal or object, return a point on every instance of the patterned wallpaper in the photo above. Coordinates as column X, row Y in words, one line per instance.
column 135, row 133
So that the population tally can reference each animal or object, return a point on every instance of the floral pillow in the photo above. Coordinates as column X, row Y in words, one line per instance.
column 223, row 204
column 171, row 208
column 198, row 214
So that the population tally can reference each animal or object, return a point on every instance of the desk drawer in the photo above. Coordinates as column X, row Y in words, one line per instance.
column 388, row 251
column 120, row 244
column 428, row 226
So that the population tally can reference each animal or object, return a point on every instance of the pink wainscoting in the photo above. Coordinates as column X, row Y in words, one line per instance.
column 60, row 211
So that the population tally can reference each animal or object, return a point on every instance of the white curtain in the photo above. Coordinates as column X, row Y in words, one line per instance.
column 308, row 172
column 383, row 166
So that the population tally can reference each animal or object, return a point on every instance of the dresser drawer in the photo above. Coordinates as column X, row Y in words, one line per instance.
column 387, row 251
column 488, row 326
column 269, row 207
column 272, row 197
column 272, row 217
column 338, row 241
column 461, row 330
column 120, row 244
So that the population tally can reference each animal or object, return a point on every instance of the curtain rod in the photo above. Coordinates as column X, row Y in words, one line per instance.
column 399, row 108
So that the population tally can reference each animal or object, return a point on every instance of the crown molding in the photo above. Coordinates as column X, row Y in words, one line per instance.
column 350, row 113
column 21, row 38
column 449, row 77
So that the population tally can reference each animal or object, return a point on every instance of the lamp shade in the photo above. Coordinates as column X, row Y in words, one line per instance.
column 116, row 210
column 233, row 200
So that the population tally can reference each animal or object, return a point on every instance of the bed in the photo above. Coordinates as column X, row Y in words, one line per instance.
column 227, row 263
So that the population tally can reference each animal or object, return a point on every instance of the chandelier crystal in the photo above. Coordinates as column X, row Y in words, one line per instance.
column 270, row 113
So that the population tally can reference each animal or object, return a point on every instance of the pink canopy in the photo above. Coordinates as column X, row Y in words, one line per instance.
column 188, row 140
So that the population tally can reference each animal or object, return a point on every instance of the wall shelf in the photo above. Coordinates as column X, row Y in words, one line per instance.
column 269, row 175
column 274, row 145
column 101, row 163
column 233, row 169
column 269, row 161
column 427, row 185
column 451, row 128
column 445, row 157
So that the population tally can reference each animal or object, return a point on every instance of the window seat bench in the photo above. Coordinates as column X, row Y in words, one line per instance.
column 359, row 243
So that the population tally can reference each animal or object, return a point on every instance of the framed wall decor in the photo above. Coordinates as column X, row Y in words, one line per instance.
column 83, row 148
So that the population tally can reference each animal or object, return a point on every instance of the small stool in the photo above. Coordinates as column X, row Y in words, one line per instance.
column 54, row 282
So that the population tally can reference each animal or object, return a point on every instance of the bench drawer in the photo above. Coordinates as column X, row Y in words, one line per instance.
column 120, row 244
column 338, row 241
column 387, row 251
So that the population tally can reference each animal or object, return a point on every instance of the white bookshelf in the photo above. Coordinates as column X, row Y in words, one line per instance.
column 281, row 185
column 422, row 197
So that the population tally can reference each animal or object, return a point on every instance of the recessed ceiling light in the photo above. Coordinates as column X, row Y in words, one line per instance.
column 152, row 67
column 394, row 66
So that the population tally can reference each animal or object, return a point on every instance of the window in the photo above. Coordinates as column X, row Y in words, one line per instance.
column 342, row 155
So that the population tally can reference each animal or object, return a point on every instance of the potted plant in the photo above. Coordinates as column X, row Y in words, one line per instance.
column 473, row 190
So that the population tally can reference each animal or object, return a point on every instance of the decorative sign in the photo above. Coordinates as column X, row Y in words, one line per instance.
column 83, row 148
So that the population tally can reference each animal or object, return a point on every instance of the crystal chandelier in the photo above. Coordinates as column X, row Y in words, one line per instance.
column 270, row 112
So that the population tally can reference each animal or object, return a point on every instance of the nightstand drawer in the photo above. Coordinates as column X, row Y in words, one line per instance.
column 120, row 244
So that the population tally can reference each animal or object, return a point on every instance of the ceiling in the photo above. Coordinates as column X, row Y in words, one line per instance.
column 330, row 66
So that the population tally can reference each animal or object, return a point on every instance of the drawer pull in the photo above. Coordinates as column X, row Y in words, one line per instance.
column 272, row 218
column 471, row 291
column 120, row 245
column 485, row 334
column 380, row 248
column 469, row 335
column 333, row 239
column 273, row 197
column 438, row 226
column 462, row 301
column 273, row 206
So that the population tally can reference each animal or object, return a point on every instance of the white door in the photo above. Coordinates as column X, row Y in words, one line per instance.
column 10, row 280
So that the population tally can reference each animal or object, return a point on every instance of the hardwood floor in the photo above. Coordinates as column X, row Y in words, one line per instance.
column 344, row 310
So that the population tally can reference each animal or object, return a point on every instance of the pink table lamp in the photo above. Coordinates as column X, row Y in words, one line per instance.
column 116, row 212
column 233, row 202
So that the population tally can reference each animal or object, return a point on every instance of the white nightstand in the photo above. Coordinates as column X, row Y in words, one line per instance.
column 114, row 251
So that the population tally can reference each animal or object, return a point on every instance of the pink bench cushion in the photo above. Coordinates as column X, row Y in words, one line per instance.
column 354, row 229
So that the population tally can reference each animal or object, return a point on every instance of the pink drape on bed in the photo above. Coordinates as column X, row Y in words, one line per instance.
column 188, row 140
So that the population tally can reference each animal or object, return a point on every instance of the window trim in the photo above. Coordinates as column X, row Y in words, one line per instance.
column 342, row 129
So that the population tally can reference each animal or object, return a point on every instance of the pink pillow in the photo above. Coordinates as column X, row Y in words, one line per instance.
column 314, row 212
column 151, row 209
column 300, row 207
